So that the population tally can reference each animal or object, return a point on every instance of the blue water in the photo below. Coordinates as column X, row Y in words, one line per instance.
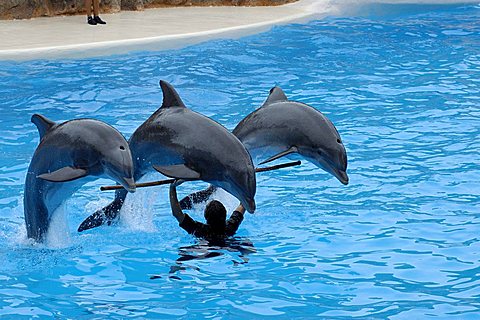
column 401, row 241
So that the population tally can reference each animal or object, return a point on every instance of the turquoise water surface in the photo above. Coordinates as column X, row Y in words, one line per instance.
column 401, row 241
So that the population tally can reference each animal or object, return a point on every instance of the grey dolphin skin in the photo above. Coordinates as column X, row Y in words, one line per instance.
column 69, row 155
column 181, row 143
column 281, row 127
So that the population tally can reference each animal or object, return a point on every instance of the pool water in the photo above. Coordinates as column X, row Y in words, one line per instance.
column 401, row 241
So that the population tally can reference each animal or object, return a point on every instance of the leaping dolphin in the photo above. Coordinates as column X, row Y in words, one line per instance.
column 181, row 143
column 281, row 127
column 69, row 155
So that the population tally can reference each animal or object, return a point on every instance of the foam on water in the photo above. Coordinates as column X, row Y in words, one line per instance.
column 138, row 211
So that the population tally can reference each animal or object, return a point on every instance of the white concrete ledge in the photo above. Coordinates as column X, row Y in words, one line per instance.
column 164, row 28
column 153, row 29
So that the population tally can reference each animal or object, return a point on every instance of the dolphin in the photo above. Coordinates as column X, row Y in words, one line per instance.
column 184, row 144
column 69, row 155
column 281, row 127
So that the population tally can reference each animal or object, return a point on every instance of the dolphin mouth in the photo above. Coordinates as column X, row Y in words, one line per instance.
column 129, row 184
column 342, row 176
column 250, row 205
column 331, row 168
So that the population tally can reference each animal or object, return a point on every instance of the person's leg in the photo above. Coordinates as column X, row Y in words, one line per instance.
column 88, row 7
column 96, row 10
column 96, row 7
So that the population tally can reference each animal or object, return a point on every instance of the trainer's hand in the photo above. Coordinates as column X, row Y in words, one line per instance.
column 177, row 182
column 240, row 209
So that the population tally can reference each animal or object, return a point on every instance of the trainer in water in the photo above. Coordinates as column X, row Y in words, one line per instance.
column 281, row 127
column 184, row 144
column 69, row 155
column 217, row 226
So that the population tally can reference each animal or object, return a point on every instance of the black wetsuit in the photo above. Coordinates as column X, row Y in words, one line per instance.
column 203, row 230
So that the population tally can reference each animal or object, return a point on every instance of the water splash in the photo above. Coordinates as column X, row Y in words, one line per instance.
column 138, row 210
column 58, row 235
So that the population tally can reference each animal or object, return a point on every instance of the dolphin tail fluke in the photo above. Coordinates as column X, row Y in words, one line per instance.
column 281, row 154
column 106, row 215
column 93, row 221
column 200, row 196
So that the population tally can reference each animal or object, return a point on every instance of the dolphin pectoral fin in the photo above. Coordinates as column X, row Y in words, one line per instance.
column 178, row 171
column 292, row 149
column 64, row 174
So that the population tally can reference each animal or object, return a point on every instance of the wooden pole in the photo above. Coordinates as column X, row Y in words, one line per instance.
column 168, row 181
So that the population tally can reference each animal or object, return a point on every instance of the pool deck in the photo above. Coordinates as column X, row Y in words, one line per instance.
column 152, row 29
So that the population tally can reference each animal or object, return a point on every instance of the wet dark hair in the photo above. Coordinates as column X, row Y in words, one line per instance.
column 216, row 215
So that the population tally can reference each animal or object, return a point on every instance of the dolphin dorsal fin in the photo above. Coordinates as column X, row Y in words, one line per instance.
column 170, row 96
column 276, row 95
column 43, row 124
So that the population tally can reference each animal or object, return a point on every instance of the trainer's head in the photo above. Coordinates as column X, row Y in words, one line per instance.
column 216, row 216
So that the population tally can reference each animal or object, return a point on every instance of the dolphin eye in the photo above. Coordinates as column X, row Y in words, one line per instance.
column 122, row 148
column 339, row 141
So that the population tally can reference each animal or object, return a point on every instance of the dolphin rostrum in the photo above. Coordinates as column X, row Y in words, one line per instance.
column 181, row 143
column 281, row 127
column 69, row 155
